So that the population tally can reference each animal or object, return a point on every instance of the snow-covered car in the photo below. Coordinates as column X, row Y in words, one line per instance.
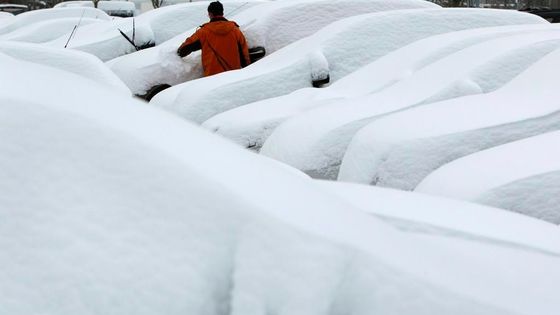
column 48, row 30
column 112, row 8
column 5, row 15
column 7, row 9
column 478, row 69
column 143, row 31
column 251, row 124
column 521, row 176
column 335, row 51
column 76, row 62
column 102, row 216
column 271, row 26
column 401, row 149
column 28, row 18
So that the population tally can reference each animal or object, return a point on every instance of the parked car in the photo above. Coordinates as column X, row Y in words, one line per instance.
column 13, row 8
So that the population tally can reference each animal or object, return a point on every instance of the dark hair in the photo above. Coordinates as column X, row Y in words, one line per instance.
column 216, row 8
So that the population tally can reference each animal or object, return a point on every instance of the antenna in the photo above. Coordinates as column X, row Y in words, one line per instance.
column 75, row 28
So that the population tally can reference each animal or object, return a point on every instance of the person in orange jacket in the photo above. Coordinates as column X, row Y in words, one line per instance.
column 223, row 45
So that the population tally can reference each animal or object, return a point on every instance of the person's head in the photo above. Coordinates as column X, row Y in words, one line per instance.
column 215, row 9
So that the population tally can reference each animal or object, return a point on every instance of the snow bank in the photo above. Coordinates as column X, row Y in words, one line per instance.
column 6, row 15
column 109, row 6
column 104, row 40
column 481, row 68
column 251, row 124
column 105, row 215
column 68, row 4
column 76, row 62
column 272, row 25
column 347, row 45
column 48, row 30
column 30, row 17
column 420, row 213
column 505, row 171
column 280, row 23
column 386, row 154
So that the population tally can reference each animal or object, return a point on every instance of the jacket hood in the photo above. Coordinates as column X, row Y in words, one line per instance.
column 221, row 26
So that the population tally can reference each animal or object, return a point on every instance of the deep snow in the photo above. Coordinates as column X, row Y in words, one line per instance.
column 518, row 176
column 251, row 124
column 27, row 18
column 143, row 214
column 481, row 68
column 48, row 30
column 76, row 62
column 441, row 132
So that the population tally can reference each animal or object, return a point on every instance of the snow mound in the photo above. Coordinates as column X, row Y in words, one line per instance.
column 30, row 17
column 518, row 176
column 48, row 30
column 100, row 211
column 480, row 68
column 424, row 214
column 104, row 40
column 272, row 25
column 76, row 62
column 73, row 4
column 6, row 15
column 347, row 45
column 283, row 22
column 251, row 124
column 386, row 154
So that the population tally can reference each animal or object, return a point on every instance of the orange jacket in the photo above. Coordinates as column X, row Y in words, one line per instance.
column 223, row 46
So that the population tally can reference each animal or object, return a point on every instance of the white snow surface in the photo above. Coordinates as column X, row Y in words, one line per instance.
column 347, row 45
column 82, row 64
column 475, row 176
column 101, row 5
column 6, row 15
column 272, row 25
column 48, row 30
column 68, row 4
column 481, row 68
column 104, row 40
column 251, row 124
column 387, row 154
column 421, row 213
column 108, row 6
column 113, row 216
column 35, row 16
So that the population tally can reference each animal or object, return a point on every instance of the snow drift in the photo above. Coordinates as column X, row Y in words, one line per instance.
column 48, row 30
column 481, row 68
column 100, row 211
column 520, row 176
column 384, row 153
column 251, row 124
column 30, row 17
column 76, row 62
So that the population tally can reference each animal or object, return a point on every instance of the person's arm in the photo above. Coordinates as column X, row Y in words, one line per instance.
column 243, row 49
column 190, row 44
